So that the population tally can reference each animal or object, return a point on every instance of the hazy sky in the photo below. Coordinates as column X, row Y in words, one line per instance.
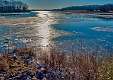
column 50, row 4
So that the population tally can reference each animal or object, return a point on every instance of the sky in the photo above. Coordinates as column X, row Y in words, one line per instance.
column 53, row 4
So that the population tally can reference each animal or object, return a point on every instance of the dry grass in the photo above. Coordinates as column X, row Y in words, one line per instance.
column 73, row 67
column 64, row 66
column 11, row 66
column 105, row 69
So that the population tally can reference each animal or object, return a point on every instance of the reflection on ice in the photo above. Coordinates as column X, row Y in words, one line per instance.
column 43, row 29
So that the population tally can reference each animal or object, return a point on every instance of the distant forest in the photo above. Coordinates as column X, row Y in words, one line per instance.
column 102, row 8
column 12, row 6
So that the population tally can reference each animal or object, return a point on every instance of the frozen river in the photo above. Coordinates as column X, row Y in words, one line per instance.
column 79, row 33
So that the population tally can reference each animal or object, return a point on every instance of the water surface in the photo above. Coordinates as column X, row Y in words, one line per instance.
column 79, row 33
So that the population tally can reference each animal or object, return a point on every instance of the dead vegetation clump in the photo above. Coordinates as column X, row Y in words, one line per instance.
column 72, row 66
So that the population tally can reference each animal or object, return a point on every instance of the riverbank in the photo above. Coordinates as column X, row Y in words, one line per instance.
column 102, row 15
column 59, row 66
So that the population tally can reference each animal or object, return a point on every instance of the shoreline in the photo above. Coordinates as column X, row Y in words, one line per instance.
column 57, row 63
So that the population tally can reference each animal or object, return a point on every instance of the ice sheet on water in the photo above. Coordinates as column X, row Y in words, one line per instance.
column 103, row 29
